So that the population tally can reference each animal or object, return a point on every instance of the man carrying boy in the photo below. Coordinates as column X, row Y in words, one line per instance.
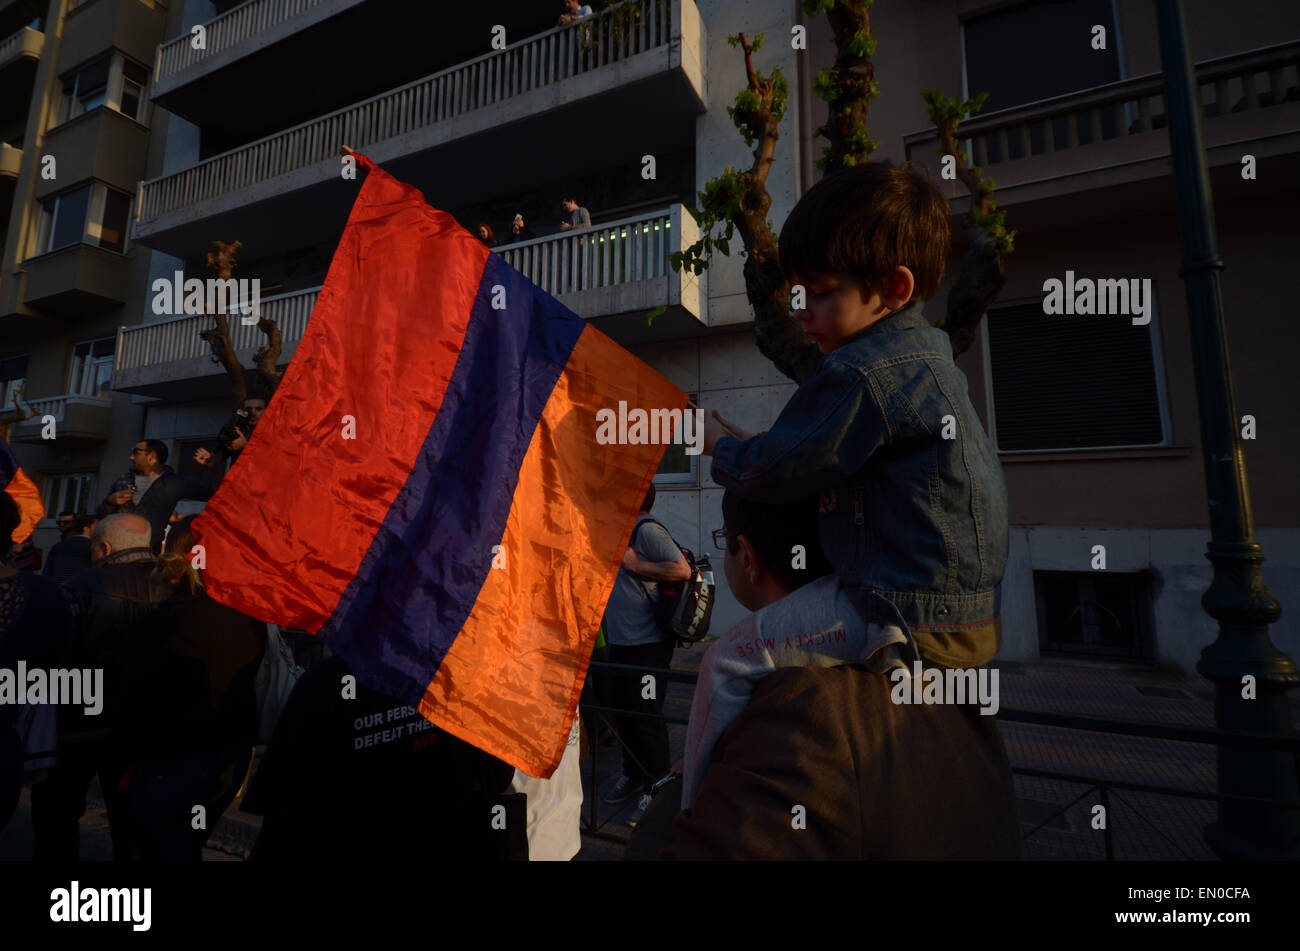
column 912, row 501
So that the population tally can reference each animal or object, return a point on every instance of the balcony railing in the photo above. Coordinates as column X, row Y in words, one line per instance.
column 76, row 417
column 615, row 252
column 176, row 340
column 611, row 254
column 543, row 60
column 1242, row 82
column 230, row 29
column 25, row 42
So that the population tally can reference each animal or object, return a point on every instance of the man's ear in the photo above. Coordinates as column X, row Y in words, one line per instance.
column 750, row 563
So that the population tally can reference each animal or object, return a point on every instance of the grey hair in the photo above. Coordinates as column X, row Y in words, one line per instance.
column 120, row 533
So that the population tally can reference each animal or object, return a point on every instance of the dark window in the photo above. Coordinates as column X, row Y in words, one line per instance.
column 1038, row 51
column 69, row 218
column 112, row 230
column 134, row 79
column 1100, row 614
column 1071, row 382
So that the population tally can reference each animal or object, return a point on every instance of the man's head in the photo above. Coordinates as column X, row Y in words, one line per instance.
column 256, row 406
column 571, row 6
column 67, row 522
column 763, row 563
column 149, row 456
column 116, row 533
column 863, row 242
column 86, row 524
column 570, row 204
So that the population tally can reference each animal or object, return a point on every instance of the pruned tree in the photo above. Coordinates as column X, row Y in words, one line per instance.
column 739, row 201
column 219, row 341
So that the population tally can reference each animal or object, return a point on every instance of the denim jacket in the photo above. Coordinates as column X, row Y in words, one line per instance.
column 914, row 517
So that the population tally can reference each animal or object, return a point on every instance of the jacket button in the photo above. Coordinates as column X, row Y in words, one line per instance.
column 943, row 610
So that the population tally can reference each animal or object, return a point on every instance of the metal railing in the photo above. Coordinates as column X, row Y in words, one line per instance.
column 537, row 62
column 178, row 339
column 1241, row 82
column 226, row 31
column 614, row 252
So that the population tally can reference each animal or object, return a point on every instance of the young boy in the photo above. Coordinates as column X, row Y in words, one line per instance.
column 912, row 502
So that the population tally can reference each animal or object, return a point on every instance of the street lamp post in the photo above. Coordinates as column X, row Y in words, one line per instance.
column 1237, row 598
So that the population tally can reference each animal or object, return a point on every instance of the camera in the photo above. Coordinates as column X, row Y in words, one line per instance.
column 236, row 426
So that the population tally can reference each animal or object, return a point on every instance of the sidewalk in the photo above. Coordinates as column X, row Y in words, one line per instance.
column 1144, row 826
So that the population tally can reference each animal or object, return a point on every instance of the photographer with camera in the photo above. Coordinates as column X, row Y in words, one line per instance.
column 233, row 437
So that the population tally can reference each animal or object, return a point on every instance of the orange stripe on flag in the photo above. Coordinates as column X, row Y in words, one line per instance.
column 24, row 492
column 534, row 623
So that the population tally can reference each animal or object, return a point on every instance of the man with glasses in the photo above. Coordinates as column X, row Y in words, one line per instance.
column 157, row 489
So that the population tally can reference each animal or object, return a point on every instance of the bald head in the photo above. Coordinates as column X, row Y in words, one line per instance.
column 118, row 533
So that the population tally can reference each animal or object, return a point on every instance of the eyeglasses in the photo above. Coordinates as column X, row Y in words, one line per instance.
column 138, row 449
column 720, row 539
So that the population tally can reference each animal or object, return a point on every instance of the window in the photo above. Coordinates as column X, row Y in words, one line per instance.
column 1095, row 614
column 1072, row 382
column 92, row 367
column 1037, row 51
column 112, row 81
column 86, row 89
column 13, row 377
column 134, row 80
column 92, row 214
column 75, row 491
column 676, row 467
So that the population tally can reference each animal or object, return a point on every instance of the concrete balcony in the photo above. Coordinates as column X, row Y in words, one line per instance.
column 76, row 279
column 632, row 74
column 307, row 51
column 11, row 160
column 613, row 274
column 26, row 44
column 76, row 417
column 1112, row 140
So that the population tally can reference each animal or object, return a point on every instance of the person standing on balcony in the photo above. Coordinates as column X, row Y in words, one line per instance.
column 157, row 489
column 579, row 217
column 571, row 12
column 486, row 235
column 520, row 231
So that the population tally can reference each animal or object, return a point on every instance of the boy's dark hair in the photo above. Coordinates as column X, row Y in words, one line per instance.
column 649, row 502
column 569, row 196
column 158, row 448
column 774, row 530
column 866, row 221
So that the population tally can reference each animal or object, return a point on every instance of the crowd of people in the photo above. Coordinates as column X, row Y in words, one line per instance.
column 861, row 539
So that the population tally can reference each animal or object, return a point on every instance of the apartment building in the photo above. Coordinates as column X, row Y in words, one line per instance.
column 246, row 105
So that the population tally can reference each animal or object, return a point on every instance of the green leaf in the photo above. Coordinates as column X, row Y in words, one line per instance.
column 657, row 312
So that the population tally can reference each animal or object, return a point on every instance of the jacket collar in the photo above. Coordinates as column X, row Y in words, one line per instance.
column 129, row 556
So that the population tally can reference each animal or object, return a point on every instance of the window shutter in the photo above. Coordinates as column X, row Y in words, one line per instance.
column 1071, row 382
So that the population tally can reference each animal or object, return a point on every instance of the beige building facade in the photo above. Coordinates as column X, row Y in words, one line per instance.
column 236, row 136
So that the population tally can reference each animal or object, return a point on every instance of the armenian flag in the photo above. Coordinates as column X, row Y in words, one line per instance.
column 426, row 489
column 23, row 491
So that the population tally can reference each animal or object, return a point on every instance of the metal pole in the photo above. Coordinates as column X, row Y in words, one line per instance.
column 1242, row 654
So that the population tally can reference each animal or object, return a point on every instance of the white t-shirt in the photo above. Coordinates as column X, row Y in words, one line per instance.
column 554, row 806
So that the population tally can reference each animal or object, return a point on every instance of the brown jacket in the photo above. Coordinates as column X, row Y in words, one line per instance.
column 876, row 780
